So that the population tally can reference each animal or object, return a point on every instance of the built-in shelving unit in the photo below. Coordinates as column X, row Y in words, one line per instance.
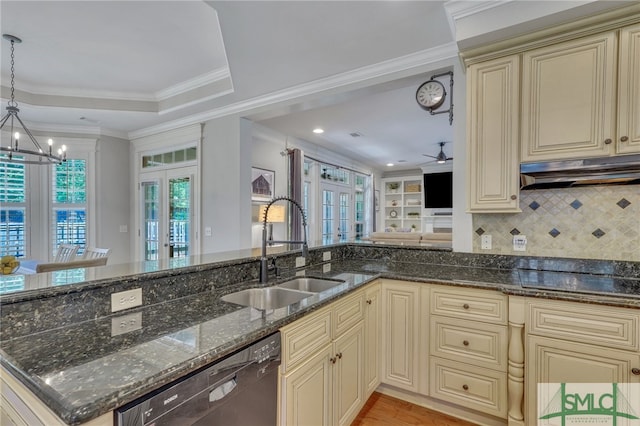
column 403, row 203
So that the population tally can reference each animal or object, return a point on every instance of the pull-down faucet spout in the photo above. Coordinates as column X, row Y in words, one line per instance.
column 264, row 269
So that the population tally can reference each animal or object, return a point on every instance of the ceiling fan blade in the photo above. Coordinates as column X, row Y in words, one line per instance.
column 431, row 156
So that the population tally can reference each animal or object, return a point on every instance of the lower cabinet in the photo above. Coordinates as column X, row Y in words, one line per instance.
column 372, row 330
column 327, row 386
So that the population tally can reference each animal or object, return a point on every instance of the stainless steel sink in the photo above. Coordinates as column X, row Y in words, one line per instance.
column 314, row 285
column 266, row 298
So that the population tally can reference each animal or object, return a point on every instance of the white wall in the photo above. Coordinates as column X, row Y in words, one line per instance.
column 113, row 186
column 225, row 184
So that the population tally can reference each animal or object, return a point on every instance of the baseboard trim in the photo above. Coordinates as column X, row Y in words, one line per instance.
column 441, row 406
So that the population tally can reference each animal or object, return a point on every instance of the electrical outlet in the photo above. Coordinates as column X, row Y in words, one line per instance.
column 326, row 255
column 485, row 242
column 519, row 243
column 126, row 324
column 126, row 299
column 326, row 268
column 207, row 231
column 300, row 261
column 124, row 228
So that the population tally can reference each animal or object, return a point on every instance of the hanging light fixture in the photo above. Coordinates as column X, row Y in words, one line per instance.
column 14, row 152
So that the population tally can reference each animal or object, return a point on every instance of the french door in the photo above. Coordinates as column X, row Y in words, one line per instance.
column 167, row 214
column 337, row 213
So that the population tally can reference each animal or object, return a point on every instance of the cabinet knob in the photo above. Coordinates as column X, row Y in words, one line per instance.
column 368, row 301
column 465, row 387
column 465, row 306
column 333, row 360
column 624, row 138
column 514, row 197
column 636, row 371
column 608, row 141
column 465, row 342
column 339, row 355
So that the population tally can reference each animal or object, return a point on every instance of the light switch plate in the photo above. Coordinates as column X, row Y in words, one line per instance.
column 485, row 242
column 326, row 268
column 519, row 243
column 300, row 261
column 126, row 299
column 326, row 255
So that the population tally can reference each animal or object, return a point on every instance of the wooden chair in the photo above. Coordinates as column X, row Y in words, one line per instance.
column 81, row 263
column 66, row 253
column 94, row 253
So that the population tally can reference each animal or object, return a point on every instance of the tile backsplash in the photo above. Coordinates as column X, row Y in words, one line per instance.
column 595, row 222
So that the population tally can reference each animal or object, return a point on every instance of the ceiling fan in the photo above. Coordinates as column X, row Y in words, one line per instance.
column 441, row 158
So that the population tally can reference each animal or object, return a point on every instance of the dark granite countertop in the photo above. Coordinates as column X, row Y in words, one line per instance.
column 84, row 369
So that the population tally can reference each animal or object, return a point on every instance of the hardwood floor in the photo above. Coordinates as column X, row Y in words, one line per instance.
column 383, row 410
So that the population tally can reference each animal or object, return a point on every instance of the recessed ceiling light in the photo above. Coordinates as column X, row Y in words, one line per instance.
column 318, row 130
column 389, row 164
column 402, row 161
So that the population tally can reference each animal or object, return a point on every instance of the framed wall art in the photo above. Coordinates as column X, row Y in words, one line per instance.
column 262, row 184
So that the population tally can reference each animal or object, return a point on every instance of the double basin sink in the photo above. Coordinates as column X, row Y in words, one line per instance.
column 281, row 295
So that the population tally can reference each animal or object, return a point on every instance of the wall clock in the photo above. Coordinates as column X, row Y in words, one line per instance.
column 393, row 213
column 432, row 94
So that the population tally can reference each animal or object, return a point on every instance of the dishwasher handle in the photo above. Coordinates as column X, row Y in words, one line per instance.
column 223, row 390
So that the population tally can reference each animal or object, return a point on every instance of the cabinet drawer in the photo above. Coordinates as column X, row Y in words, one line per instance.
column 599, row 325
column 469, row 303
column 476, row 388
column 347, row 313
column 480, row 344
column 304, row 337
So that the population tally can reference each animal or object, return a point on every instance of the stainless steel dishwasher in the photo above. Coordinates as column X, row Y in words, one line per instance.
column 241, row 389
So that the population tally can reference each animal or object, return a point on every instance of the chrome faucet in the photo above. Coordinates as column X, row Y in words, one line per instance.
column 264, row 268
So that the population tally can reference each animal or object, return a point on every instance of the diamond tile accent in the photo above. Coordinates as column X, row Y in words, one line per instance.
column 554, row 232
column 479, row 231
column 515, row 231
column 534, row 205
column 624, row 203
column 598, row 233
column 576, row 204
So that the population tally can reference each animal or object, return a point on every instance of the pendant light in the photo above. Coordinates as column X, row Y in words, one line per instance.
column 14, row 152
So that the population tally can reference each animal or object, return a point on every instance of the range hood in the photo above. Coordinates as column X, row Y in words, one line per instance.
column 618, row 170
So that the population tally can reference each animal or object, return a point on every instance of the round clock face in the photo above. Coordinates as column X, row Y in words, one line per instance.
column 431, row 94
column 393, row 213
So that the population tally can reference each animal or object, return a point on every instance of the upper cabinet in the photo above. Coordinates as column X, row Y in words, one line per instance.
column 575, row 104
column 568, row 99
column 629, row 91
column 492, row 127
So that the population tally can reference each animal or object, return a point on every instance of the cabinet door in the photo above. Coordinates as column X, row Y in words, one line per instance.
column 559, row 361
column 372, row 329
column 493, row 132
column 629, row 91
column 348, row 384
column 400, row 331
column 568, row 99
column 306, row 392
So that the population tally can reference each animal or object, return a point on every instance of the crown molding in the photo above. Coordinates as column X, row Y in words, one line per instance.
column 192, row 84
column 195, row 102
column 458, row 9
column 78, row 130
column 381, row 69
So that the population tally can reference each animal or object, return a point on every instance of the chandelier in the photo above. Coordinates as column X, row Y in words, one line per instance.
column 14, row 152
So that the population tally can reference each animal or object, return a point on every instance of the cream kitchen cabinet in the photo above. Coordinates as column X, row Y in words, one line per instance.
column 322, row 375
column 468, row 348
column 493, row 104
column 629, row 91
column 401, row 334
column 568, row 343
column 576, row 104
column 372, row 330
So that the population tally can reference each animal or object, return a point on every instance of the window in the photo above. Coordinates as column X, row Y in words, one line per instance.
column 13, row 208
column 69, row 204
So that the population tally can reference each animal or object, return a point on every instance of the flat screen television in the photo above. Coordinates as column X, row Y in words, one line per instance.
column 438, row 190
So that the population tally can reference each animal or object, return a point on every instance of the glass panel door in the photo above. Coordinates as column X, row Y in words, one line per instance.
column 337, row 214
column 167, row 214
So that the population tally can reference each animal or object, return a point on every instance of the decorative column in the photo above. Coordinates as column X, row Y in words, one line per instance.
column 515, row 385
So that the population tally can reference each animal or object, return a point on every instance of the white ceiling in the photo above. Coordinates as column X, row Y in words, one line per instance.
column 132, row 67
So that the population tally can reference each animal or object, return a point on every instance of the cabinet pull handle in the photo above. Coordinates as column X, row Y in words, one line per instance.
column 333, row 360
column 513, row 197
column 465, row 387
column 339, row 355
column 368, row 301
column 636, row 371
column 607, row 141
column 466, row 306
column 465, row 342
column 624, row 138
